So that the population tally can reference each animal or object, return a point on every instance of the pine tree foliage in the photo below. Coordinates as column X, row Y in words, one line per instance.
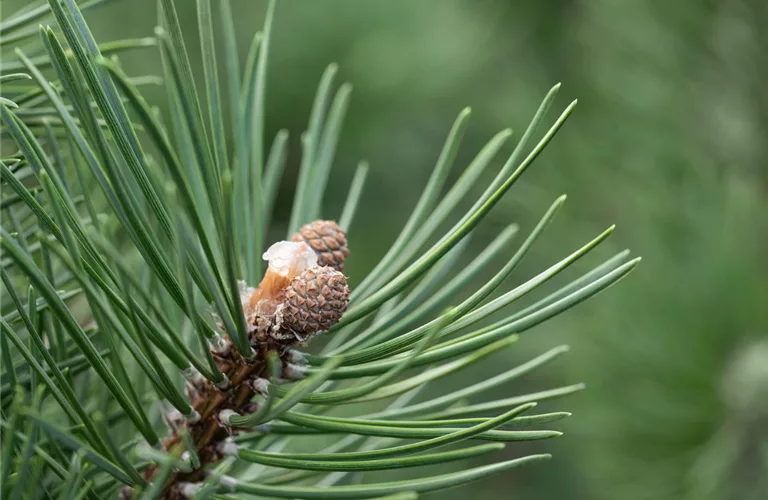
column 127, row 237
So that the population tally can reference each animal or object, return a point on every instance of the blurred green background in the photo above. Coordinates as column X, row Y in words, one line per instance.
column 669, row 141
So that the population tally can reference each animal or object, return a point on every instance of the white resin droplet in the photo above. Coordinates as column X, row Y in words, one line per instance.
column 245, row 291
column 286, row 257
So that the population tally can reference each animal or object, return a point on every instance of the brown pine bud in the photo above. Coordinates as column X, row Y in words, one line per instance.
column 328, row 240
column 314, row 301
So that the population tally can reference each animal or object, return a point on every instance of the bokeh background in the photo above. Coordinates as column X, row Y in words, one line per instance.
column 669, row 141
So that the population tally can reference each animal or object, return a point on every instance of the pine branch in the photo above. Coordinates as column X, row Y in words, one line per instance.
column 131, row 255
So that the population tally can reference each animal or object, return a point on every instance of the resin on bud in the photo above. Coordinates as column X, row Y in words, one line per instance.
column 296, row 298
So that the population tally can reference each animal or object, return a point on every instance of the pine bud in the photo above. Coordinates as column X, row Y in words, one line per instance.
column 314, row 301
column 328, row 241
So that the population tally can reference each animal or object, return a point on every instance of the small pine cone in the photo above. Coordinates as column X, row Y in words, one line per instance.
column 328, row 241
column 314, row 301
